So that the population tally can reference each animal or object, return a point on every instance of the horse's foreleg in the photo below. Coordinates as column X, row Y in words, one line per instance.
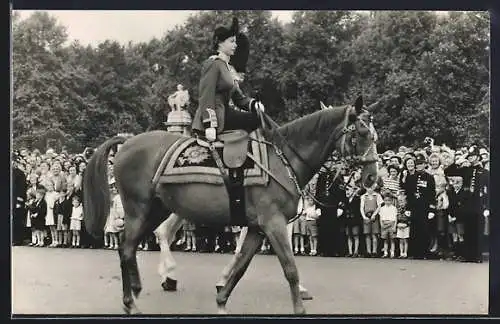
column 165, row 234
column 304, row 293
column 136, row 226
column 237, row 267
column 276, row 231
column 227, row 270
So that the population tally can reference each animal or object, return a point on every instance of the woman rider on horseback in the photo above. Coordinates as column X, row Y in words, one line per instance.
column 219, row 85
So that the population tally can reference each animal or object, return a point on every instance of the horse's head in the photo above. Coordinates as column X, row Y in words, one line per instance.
column 357, row 145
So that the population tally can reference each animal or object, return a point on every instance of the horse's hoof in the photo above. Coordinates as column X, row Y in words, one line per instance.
column 221, row 310
column 131, row 310
column 305, row 295
column 169, row 284
column 301, row 311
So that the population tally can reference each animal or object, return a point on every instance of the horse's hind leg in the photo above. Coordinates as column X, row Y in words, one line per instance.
column 236, row 268
column 276, row 231
column 167, row 266
column 136, row 225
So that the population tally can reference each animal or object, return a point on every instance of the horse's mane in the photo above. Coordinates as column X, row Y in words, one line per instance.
column 302, row 127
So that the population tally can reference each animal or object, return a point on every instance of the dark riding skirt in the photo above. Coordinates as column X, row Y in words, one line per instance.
column 238, row 119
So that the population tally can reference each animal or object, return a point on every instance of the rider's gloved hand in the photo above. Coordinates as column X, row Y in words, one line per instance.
column 210, row 134
column 256, row 105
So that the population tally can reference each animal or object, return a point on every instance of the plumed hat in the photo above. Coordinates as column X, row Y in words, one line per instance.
column 222, row 33
column 240, row 57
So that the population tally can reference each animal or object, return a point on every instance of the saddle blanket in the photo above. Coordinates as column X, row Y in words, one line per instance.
column 193, row 163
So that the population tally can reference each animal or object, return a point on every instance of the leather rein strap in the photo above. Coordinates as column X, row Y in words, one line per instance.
column 348, row 128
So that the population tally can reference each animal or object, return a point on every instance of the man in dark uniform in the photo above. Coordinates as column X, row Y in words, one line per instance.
column 330, row 192
column 475, row 184
column 20, row 186
column 420, row 190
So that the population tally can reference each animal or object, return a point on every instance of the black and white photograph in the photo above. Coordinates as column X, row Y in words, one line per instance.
column 250, row 162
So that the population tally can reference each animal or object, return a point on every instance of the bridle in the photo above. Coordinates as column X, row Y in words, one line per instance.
column 347, row 160
column 349, row 128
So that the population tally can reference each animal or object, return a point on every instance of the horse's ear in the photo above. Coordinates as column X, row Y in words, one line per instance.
column 358, row 105
column 323, row 107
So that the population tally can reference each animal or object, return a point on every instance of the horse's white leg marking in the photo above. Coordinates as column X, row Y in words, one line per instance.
column 165, row 234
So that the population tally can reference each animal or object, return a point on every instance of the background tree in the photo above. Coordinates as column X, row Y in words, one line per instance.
column 430, row 74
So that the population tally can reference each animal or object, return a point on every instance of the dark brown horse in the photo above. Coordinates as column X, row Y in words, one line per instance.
column 306, row 144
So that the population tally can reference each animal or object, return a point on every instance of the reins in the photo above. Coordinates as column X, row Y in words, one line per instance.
column 267, row 120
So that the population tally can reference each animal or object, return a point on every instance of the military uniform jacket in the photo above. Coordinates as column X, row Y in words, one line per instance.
column 331, row 192
column 20, row 187
column 485, row 189
column 475, row 183
column 420, row 190
column 217, row 86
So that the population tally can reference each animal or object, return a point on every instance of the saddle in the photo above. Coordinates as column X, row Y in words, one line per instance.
column 234, row 144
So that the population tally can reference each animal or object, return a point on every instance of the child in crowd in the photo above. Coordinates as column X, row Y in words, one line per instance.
column 236, row 234
column 30, row 199
column 311, row 215
column 353, row 220
column 457, row 196
column 265, row 248
column 388, row 217
column 108, row 228
column 76, row 221
column 189, row 229
column 442, row 204
column 50, row 222
column 62, row 213
column 118, row 219
column 403, row 225
column 299, row 231
column 370, row 204
column 38, row 212
column 115, row 219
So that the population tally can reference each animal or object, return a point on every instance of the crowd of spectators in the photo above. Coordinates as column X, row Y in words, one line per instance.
column 430, row 202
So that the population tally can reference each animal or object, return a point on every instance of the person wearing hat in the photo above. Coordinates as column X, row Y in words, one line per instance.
column 218, row 85
column 456, row 211
column 329, row 191
column 20, row 187
column 475, row 184
column 420, row 190
column 485, row 158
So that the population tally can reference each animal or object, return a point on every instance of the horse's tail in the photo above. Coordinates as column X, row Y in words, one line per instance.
column 96, row 196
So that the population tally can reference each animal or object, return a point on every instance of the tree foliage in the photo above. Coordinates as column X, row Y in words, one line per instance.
column 437, row 67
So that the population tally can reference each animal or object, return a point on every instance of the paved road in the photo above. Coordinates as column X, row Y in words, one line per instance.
column 65, row 281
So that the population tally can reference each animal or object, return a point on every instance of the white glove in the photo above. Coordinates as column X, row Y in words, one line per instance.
column 260, row 106
column 430, row 215
column 18, row 206
column 318, row 212
column 407, row 213
column 486, row 213
column 210, row 134
column 339, row 212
